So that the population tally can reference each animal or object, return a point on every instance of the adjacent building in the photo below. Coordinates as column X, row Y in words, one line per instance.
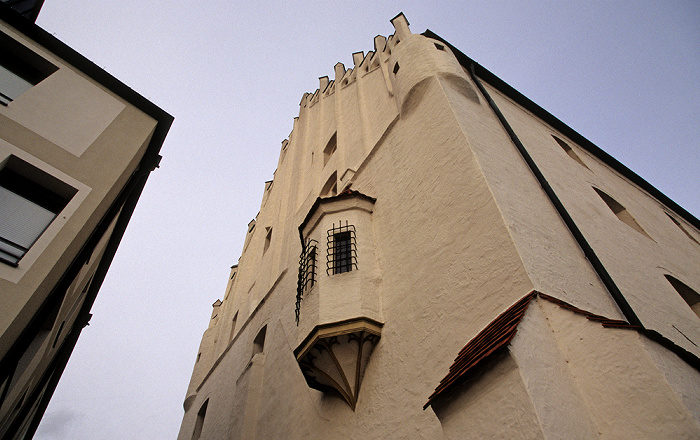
column 438, row 257
column 76, row 148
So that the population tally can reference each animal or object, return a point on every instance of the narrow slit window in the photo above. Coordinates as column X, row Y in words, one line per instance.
column 330, row 148
column 342, row 253
column 691, row 297
column 396, row 68
column 621, row 212
column 199, row 424
column 259, row 341
column 570, row 151
column 268, row 239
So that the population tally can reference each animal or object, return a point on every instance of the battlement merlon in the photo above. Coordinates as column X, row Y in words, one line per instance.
column 382, row 50
column 401, row 26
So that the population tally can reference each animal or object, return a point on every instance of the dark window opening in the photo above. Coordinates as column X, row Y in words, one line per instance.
column 690, row 296
column 570, row 151
column 30, row 200
column 330, row 148
column 20, row 69
column 342, row 254
column 268, row 239
column 396, row 68
column 621, row 212
column 199, row 424
column 439, row 46
column 259, row 341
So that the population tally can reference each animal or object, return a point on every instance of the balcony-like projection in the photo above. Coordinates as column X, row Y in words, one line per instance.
column 338, row 307
column 334, row 356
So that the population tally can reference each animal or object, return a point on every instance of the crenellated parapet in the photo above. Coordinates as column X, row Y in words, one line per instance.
column 361, row 103
column 413, row 54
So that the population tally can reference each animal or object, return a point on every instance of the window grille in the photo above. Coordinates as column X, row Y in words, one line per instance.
column 307, row 272
column 342, row 249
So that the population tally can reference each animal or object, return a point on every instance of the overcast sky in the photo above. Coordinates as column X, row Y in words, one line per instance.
column 626, row 75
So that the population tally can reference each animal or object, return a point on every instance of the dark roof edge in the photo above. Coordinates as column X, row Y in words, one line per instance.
column 347, row 194
column 560, row 126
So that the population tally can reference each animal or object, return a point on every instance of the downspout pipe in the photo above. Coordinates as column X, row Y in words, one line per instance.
column 588, row 252
column 598, row 266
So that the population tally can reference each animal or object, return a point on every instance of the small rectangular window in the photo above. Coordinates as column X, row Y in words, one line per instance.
column 341, row 249
column 30, row 200
column 342, row 252
column 330, row 148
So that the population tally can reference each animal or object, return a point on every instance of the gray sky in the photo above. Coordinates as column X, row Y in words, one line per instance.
column 626, row 75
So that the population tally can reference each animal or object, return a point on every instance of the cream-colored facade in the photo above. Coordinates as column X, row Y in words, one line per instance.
column 76, row 148
column 437, row 257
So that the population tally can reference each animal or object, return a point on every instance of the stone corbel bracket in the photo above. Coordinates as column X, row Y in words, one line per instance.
column 333, row 357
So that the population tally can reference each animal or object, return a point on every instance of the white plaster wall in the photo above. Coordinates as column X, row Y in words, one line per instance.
column 626, row 395
column 640, row 278
column 493, row 404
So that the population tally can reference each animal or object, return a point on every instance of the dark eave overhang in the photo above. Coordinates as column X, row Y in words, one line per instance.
column 558, row 125
column 29, row 9
column 347, row 194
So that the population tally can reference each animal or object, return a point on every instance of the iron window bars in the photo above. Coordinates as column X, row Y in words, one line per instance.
column 342, row 249
column 307, row 272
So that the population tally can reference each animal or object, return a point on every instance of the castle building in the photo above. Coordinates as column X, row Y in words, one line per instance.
column 438, row 257
column 76, row 149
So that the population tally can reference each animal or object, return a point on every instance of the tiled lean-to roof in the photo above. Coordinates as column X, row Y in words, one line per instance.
column 499, row 333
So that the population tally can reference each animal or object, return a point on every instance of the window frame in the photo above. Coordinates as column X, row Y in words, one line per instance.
column 20, row 69
column 24, row 186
